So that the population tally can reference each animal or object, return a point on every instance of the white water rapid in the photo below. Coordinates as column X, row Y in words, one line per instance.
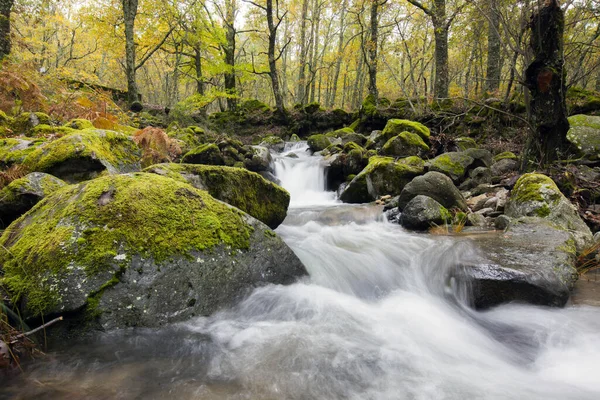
column 375, row 320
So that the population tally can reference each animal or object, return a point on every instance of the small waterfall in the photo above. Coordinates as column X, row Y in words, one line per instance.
column 303, row 175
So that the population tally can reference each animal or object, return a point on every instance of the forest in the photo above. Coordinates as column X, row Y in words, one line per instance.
column 308, row 199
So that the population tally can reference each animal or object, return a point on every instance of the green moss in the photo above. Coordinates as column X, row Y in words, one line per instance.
column 532, row 187
column 354, row 125
column 351, row 146
column 79, row 124
column 239, row 187
column 369, row 107
column 208, row 153
column 453, row 164
column 294, row 138
column 144, row 214
column 312, row 108
column 47, row 130
column 272, row 140
column 4, row 119
column 340, row 133
column 396, row 126
column 507, row 155
column 108, row 146
column 254, row 105
column 318, row 142
column 543, row 211
column 464, row 143
column 23, row 123
column 13, row 151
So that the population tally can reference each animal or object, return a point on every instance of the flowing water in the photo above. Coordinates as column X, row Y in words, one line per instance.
column 376, row 319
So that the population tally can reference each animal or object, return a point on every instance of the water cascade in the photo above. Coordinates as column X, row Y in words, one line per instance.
column 376, row 319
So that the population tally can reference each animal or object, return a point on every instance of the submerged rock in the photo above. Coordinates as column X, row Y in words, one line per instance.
column 21, row 194
column 435, row 185
column 422, row 212
column 528, row 263
column 238, row 187
column 382, row 176
column 85, row 155
column 137, row 250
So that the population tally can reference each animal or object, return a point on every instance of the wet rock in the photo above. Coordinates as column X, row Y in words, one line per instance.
column 22, row 194
column 536, row 195
column 138, row 250
column 318, row 142
column 502, row 222
column 383, row 175
column 477, row 220
column 274, row 143
column 259, row 159
column 238, row 187
column 529, row 263
column 435, row 185
column 422, row 212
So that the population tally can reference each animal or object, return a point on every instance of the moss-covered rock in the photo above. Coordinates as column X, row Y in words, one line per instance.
column 585, row 134
column 21, row 194
column 403, row 145
column 318, row 142
column 435, row 185
column 397, row 126
column 137, row 250
column 382, row 176
column 258, row 159
column 23, row 123
column 536, row 195
column 454, row 164
column 274, row 143
column 422, row 212
column 43, row 130
column 347, row 135
column 506, row 155
column 208, row 154
column 14, row 151
column 464, row 143
column 85, row 154
column 243, row 189
column 79, row 124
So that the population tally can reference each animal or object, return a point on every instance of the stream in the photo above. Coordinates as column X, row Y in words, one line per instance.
column 376, row 319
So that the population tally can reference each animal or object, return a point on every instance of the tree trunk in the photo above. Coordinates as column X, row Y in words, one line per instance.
column 493, row 49
column 198, row 66
column 372, row 51
column 440, row 90
column 274, row 75
column 314, row 58
column 300, row 93
column 229, row 51
column 129, row 13
column 545, row 79
column 340, row 56
column 5, row 42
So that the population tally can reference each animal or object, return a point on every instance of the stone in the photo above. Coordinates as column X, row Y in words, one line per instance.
column 422, row 212
column 85, row 155
column 504, row 166
column 404, row 145
column 259, row 159
column 453, row 164
column 208, row 154
column 22, row 194
column 435, row 185
column 584, row 133
column 393, row 128
column 502, row 222
column 536, row 195
column 238, row 187
column 318, row 142
column 528, row 263
column 382, row 176
column 137, row 250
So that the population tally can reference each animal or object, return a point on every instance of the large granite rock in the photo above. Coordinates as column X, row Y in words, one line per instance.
column 435, row 185
column 422, row 212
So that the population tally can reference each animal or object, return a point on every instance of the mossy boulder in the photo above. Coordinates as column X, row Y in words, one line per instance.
column 435, row 185
column 347, row 135
column 14, row 151
column 258, row 159
column 137, row 250
column 585, row 134
column 318, row 142
column 85, row 155
column 536, row 195
column 238, row 187
column 464, row 143
column 506, row 155
column 454, row 164
column 422, row 212
column 22, row 194
column 397, row 126
column 405, row 144
column 382, row 176
column 79, row 124
column 25, row 122
column 274, row 143
column 43, row 130
column 208, row 154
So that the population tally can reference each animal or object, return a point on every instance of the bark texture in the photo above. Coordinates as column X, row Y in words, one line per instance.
column 5, row 42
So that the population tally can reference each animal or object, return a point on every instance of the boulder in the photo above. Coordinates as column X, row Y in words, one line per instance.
column 464, row 143
column 318, row 142
column 507, row 155
column 404, row 145
column 137, row 250
column 422, row 212
column 274, row 143
column 25, row 122
column 14, row 151
column 393, row 128
column 258, row 159
column 504, row 166
column 383, row 175
column 481, row 157
column 536, row 195
column 85, row 155
column 454, row 164
column 347, row 135
column 435, row 185
column 238, row 187
column 21, row 194
column 584, row 133
column 208, row 154
column 528, row 263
